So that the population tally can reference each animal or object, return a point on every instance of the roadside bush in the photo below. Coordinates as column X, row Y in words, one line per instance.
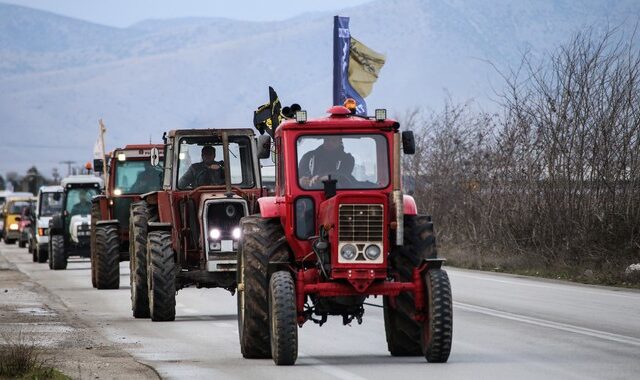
column 554, row 177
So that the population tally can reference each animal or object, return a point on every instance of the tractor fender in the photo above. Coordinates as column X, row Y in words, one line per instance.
column 268, row 207
column 158, row 226
column 409, row 203
column 150, row 197
column 115, row 222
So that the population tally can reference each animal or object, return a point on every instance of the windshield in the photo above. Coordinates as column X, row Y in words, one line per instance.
column 79, row 200
column 137, row 177
column 201, row 162
column 16, row 207
column 49, row 205
column 355, row 161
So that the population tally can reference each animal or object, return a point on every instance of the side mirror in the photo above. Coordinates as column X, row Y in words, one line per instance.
column 155, row 157
column 98, row 165
column 408, row 142
column 264, row 146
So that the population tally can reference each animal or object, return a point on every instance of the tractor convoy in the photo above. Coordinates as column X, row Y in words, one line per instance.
column 330, row 231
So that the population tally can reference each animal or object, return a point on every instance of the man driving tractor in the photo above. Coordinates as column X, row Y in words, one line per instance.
column 327, row 159
column 207, row 172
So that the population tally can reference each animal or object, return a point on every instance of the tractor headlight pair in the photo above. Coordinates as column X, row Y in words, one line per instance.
column 13, row 226
column 349, row 252
column 215, row 233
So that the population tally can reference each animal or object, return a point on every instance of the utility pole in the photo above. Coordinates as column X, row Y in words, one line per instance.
column 68, row 163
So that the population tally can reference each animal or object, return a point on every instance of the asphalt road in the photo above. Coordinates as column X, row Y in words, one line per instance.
column 504, row 327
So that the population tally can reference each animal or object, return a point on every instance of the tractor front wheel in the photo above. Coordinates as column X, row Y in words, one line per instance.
column 95, row 216
column 282, row 318
column 107, row 257
column 41, row 253
column 437, row 330
column 58, row 256
column 161, row 276
column 139, row 216
column 262, row 242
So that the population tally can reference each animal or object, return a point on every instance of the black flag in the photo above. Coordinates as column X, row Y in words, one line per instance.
column 268, row 116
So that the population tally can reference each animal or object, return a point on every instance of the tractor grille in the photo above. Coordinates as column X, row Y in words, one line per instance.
column 361, row 222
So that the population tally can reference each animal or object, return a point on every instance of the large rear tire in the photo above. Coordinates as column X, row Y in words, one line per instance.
column 282, row 318
column 107, row 255
column 140, row 215
column 262, row 242
column 437, row 330
column 161, row 276
column 58, row 255
column 402, row 330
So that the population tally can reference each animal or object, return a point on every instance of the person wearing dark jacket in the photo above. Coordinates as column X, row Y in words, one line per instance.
column 207, row 172
column 327, row 159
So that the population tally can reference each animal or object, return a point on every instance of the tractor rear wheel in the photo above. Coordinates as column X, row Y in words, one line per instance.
column 282, row 318
column 262, row 242
column 161, row 276
column 58, row 256
column 140, row 215
column 402, row 330
column 107, row 257
column 95, row 216
column 437, row 330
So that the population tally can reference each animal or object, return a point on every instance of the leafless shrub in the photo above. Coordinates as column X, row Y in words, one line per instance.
column 556, row 174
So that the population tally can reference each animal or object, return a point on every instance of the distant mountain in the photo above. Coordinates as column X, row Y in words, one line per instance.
column 59, row 75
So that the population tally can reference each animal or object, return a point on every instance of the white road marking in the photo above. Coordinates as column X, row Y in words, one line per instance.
column 554, row 325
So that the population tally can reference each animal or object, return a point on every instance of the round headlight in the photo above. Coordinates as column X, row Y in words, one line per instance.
column 372, row 252
column 230, row 210
column 236, row 233
column 215, row 234
column 348, row 252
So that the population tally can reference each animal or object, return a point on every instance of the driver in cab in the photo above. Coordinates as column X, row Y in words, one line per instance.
column 207, row 172
column 327, row 159
column 83, row 207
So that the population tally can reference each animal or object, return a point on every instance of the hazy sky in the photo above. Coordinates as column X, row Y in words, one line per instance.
column 126, row 12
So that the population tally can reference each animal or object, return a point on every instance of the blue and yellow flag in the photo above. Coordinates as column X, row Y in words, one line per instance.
column 355, row 66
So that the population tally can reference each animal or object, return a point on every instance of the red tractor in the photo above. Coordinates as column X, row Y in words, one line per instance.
column 337, row 231
column 131, row 172
column 187, row 233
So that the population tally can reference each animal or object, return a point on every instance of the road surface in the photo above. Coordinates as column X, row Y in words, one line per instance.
column 505, row 327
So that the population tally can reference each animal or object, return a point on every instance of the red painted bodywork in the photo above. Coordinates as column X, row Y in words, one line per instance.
column 172, row 212
column 346, row 279
column 106, row 207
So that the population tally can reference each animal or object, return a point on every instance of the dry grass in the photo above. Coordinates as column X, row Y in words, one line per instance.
column 21, row 358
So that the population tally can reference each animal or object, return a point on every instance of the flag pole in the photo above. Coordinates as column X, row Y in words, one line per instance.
column 101, row 132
